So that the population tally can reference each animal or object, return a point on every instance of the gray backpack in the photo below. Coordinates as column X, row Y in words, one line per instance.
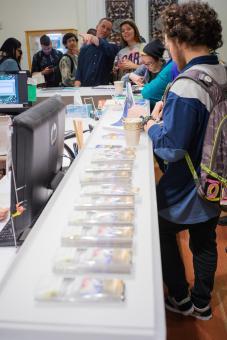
column 212, row 182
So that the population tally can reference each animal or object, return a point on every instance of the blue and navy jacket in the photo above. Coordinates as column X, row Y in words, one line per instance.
column 95, row 63
column 185, row 117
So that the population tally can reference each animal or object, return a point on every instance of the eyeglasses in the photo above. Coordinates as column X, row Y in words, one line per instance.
column 150, row 64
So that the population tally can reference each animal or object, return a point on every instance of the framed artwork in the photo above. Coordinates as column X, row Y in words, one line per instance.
column 33, row 43
column 117, row 11
column 155, row 8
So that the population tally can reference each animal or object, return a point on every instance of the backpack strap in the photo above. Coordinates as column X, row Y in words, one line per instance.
column 193, row 171
column 216, row 93
column 214, row 90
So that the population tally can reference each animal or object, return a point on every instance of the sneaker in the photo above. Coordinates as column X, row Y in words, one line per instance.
column 202, row 313
column 184, row 306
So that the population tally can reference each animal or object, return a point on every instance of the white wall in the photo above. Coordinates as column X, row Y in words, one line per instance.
column 220, row 7
column 17, row 16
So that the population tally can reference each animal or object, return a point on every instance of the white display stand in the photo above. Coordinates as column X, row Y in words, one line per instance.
column 141, row 316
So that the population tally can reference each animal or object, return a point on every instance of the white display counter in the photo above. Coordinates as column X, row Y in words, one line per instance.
column 74, row 94
column 140, row 316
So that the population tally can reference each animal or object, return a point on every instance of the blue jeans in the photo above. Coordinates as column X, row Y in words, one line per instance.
column 203, row 246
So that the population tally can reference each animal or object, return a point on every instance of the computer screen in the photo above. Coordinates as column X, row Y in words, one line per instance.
column 37, row 151
column 13, row 92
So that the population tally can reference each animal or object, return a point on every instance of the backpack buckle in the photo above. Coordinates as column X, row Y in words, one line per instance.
column 205, row 79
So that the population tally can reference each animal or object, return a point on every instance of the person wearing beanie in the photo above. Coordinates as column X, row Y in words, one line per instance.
column 152, row 63
column 155, row 89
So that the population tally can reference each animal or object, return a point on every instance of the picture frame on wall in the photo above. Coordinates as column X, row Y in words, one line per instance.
column 117, row 11
column 56, row 35
column 155, row 8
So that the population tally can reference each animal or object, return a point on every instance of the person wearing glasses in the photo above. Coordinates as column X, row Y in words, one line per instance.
column 10, row 55
column 154, row 90
column 152, row 63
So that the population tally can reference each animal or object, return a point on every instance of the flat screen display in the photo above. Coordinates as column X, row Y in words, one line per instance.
column 9, row 89
column 13, row 92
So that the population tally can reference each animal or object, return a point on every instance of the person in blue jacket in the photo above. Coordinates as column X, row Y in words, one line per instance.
column 10, row 55
column 96, row 57
column 192, row 33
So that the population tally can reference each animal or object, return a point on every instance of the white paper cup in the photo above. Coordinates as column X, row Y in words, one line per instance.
column 132, row 128
column 118, row 87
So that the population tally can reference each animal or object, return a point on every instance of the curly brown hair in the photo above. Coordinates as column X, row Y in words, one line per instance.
column 194, row 23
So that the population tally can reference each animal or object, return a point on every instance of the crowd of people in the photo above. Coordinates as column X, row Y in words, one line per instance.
column 99, row 60
column 192, row 34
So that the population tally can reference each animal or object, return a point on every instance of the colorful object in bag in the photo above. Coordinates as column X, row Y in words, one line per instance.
column 212, row 183
column 212, row 190
column 19, row 210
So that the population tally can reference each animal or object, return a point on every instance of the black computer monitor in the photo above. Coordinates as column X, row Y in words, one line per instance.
column 13, row 92
column 37, row 150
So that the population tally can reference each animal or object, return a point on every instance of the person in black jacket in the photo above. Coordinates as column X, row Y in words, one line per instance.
column 96, row 57
column 46, row 61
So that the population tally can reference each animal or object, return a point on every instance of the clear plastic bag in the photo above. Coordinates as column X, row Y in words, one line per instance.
column 109, row 189
column 107, row 176
column 128, row 166
column 72, row 261
column 107, row 154
column 112, row 157
column 80, row 289
column 105, row 217
column 100, row 236
column 115, row 147
column 104, row 202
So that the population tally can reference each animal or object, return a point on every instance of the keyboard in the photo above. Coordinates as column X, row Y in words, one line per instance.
column 6, row 236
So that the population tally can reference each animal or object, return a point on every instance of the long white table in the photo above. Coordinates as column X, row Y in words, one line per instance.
column 140, row 317
column 73, row 95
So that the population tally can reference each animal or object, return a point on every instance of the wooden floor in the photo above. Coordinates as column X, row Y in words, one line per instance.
column 187, row 328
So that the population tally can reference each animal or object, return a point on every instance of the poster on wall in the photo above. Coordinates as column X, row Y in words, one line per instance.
column 155, row 8
column 117, row 11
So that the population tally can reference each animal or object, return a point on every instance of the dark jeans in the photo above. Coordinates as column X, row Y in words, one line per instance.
column 203, row 246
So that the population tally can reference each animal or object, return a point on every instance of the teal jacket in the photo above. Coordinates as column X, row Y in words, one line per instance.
column 156, row 88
